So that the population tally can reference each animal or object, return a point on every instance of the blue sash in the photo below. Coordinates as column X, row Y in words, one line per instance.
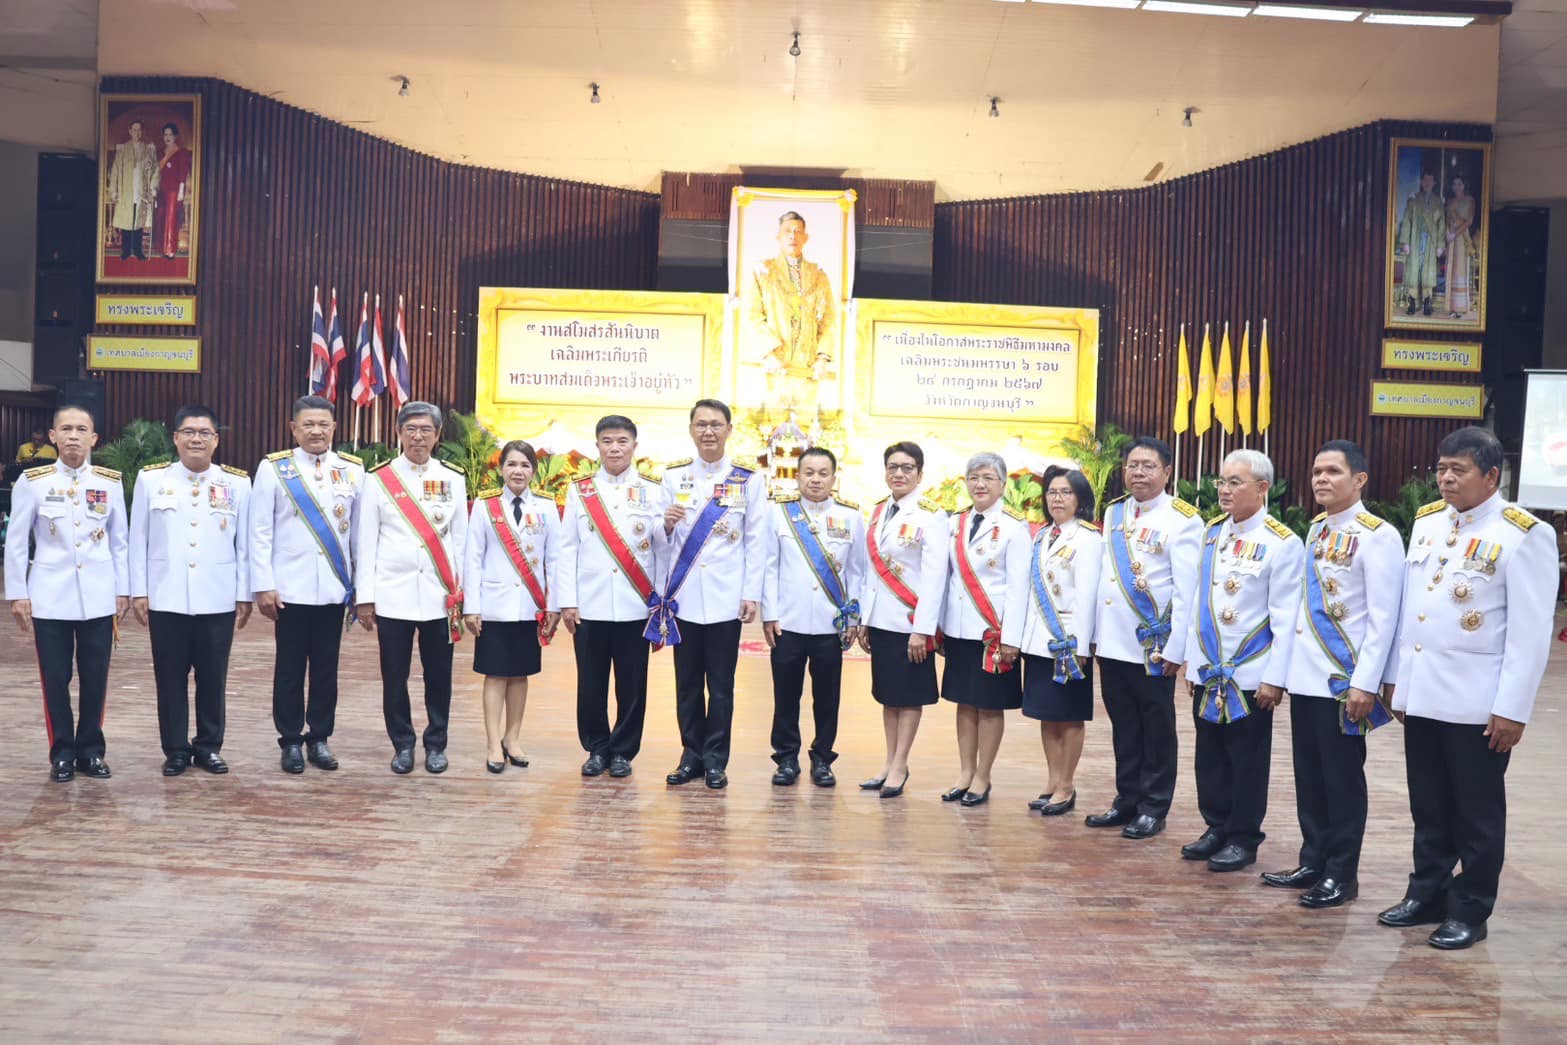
column 661, row 615
column 1222, row 701
column 848, row 615
column 320, row 527
column 1063, row 647
column 1330, row 636
column 1153, row 628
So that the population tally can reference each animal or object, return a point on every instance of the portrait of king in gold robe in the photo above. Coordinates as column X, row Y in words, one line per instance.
column 789, row 313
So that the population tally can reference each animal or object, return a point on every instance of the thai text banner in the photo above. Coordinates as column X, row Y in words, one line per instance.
column 962, row 370
column 630, row 359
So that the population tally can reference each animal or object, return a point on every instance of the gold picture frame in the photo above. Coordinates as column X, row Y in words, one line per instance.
column 1435, row 277
column 149, row 189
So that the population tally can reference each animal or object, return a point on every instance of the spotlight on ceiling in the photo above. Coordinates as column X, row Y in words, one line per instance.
column 1186, row 121
column 995, row 111
column 402, row 91
column 794, row 48
column 594, row 99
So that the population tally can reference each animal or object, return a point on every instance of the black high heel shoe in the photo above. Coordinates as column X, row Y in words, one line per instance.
column 956, row 794
column 495, row 767
column 520, row 763
column 971, row 799
column 894, row 792
column 1058, row 808
column 873, row 784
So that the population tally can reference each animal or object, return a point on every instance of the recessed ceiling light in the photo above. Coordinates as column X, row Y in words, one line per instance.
column 1436, row 21
column 1121, row 5
column 1193, row 7
column 1320, row 14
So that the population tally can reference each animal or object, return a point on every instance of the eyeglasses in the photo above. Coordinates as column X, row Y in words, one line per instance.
column 1059, row 495
column 1142, row 466
column 1233, row 483
column 709, row 426
column 983, row 477
column 196, row 433
column 908, row 469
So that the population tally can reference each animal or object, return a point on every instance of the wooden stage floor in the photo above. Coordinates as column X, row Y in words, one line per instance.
column 537, row 905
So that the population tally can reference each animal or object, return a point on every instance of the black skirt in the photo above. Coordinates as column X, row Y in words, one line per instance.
column 965, row 680
column 896, row 682
column 1071, row 701
column 507, row 649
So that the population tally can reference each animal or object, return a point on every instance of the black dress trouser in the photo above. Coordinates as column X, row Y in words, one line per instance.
column 396, row 641
column 308, row 638
column 601, row 645
column 707, row 654
column 791, row 656
column 1330, row 787
column 1458, row 800
column 1232, row 764
column 89, row 643
column 1142, row 732
column 182, row 642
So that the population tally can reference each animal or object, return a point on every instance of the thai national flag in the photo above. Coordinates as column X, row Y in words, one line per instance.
column 364, row 371
column 338, row 350
column 378, row 351
column 401, row 385
column 320, row 357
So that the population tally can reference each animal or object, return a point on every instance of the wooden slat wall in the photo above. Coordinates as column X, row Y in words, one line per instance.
column 292, row 199
column 883, row 202
column 1297, row 236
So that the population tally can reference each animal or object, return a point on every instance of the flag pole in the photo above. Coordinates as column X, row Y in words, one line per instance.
column 1270, row 390
column 315, row 296
column 356, row 427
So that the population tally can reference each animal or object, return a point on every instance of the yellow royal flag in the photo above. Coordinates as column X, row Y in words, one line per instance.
column 1204, row 417
column 1224, row 386
column 1264, row 384
column 1183, row 387
column 1243, row 382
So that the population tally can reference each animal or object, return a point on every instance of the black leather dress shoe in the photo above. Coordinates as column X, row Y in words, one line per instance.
column 434, row 761
column 1454, row 935
column 403, row 761
column 210, row 761
column 61, row 770
column 873, row 784
column 176, row 763
column 293, row 759
column 1111, row 817
column 894, row 792
column 1144, row 826
column 716, row 780
column 821, row 773
column 1059, row 808
column 971, row 799
column 619, row 767
column 594, row 766
column 1232, row 858
column 788, row 773
column 1330, row 892
column 954, row 794
column 1210, row 842
column 320, row 755
column 93, row 766
column 1297, row 878
column 1411, row 912
column 684, row 774
column 519, row 761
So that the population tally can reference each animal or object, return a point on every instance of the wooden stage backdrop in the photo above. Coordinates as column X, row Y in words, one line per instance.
column 294, row 199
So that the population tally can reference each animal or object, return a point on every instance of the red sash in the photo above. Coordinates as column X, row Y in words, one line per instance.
column 432, row 545
column 519, row 561
column 614, row 543
column 976, row 592
column 883, row 568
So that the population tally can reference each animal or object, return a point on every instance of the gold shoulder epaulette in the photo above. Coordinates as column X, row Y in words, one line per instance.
column 234, row 471
column 1012, row 513
column 351, row 458
column 748, row 463
column 1319, row 517
column 489, row 493
column 1216, row 523
column 1186, row 509
column 1085, row 524
column 280, row 455
column 1366, row 519
column 1519, row 518
column 1430, row 509
column 646, row 471
column 1278, row 528
column 931, row 505
column 785, row 496
column 1117, row 500
column 39, row 472
column 383, row 464
column 145, row 468
column 677, row 464
column 459, row 471
column 846, row 502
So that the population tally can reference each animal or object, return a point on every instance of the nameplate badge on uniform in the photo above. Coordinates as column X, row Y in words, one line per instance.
column 98, row 502
column 55, row 497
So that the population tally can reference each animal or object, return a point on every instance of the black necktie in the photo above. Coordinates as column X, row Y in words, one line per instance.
column 973, row 530
column 516, row 509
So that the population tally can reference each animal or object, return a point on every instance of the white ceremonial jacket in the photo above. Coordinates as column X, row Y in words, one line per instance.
column 1479, row 610
column 392, row 568
column 913, row 543
column 1164, row 535
column 588, row 577
column 1256, row 578
column 1069, row 566
column 492, row 587
column 190, row 542
column 76, row 517
column 285, row 556
column 792, row 594
column 1000, row 547
column 1361, row 561
column 728, row 570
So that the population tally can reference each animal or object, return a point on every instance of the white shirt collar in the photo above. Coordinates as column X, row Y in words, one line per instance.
column 1259, row 519
column 1340, row 518
column 1479, row 513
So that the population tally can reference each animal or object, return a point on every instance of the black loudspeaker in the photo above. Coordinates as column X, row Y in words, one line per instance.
column 67, row 224
column 1515, row 312
column 86, row 392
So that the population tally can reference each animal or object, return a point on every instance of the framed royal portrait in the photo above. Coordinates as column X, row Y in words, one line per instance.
column 1438, row 233
column 149, row 188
